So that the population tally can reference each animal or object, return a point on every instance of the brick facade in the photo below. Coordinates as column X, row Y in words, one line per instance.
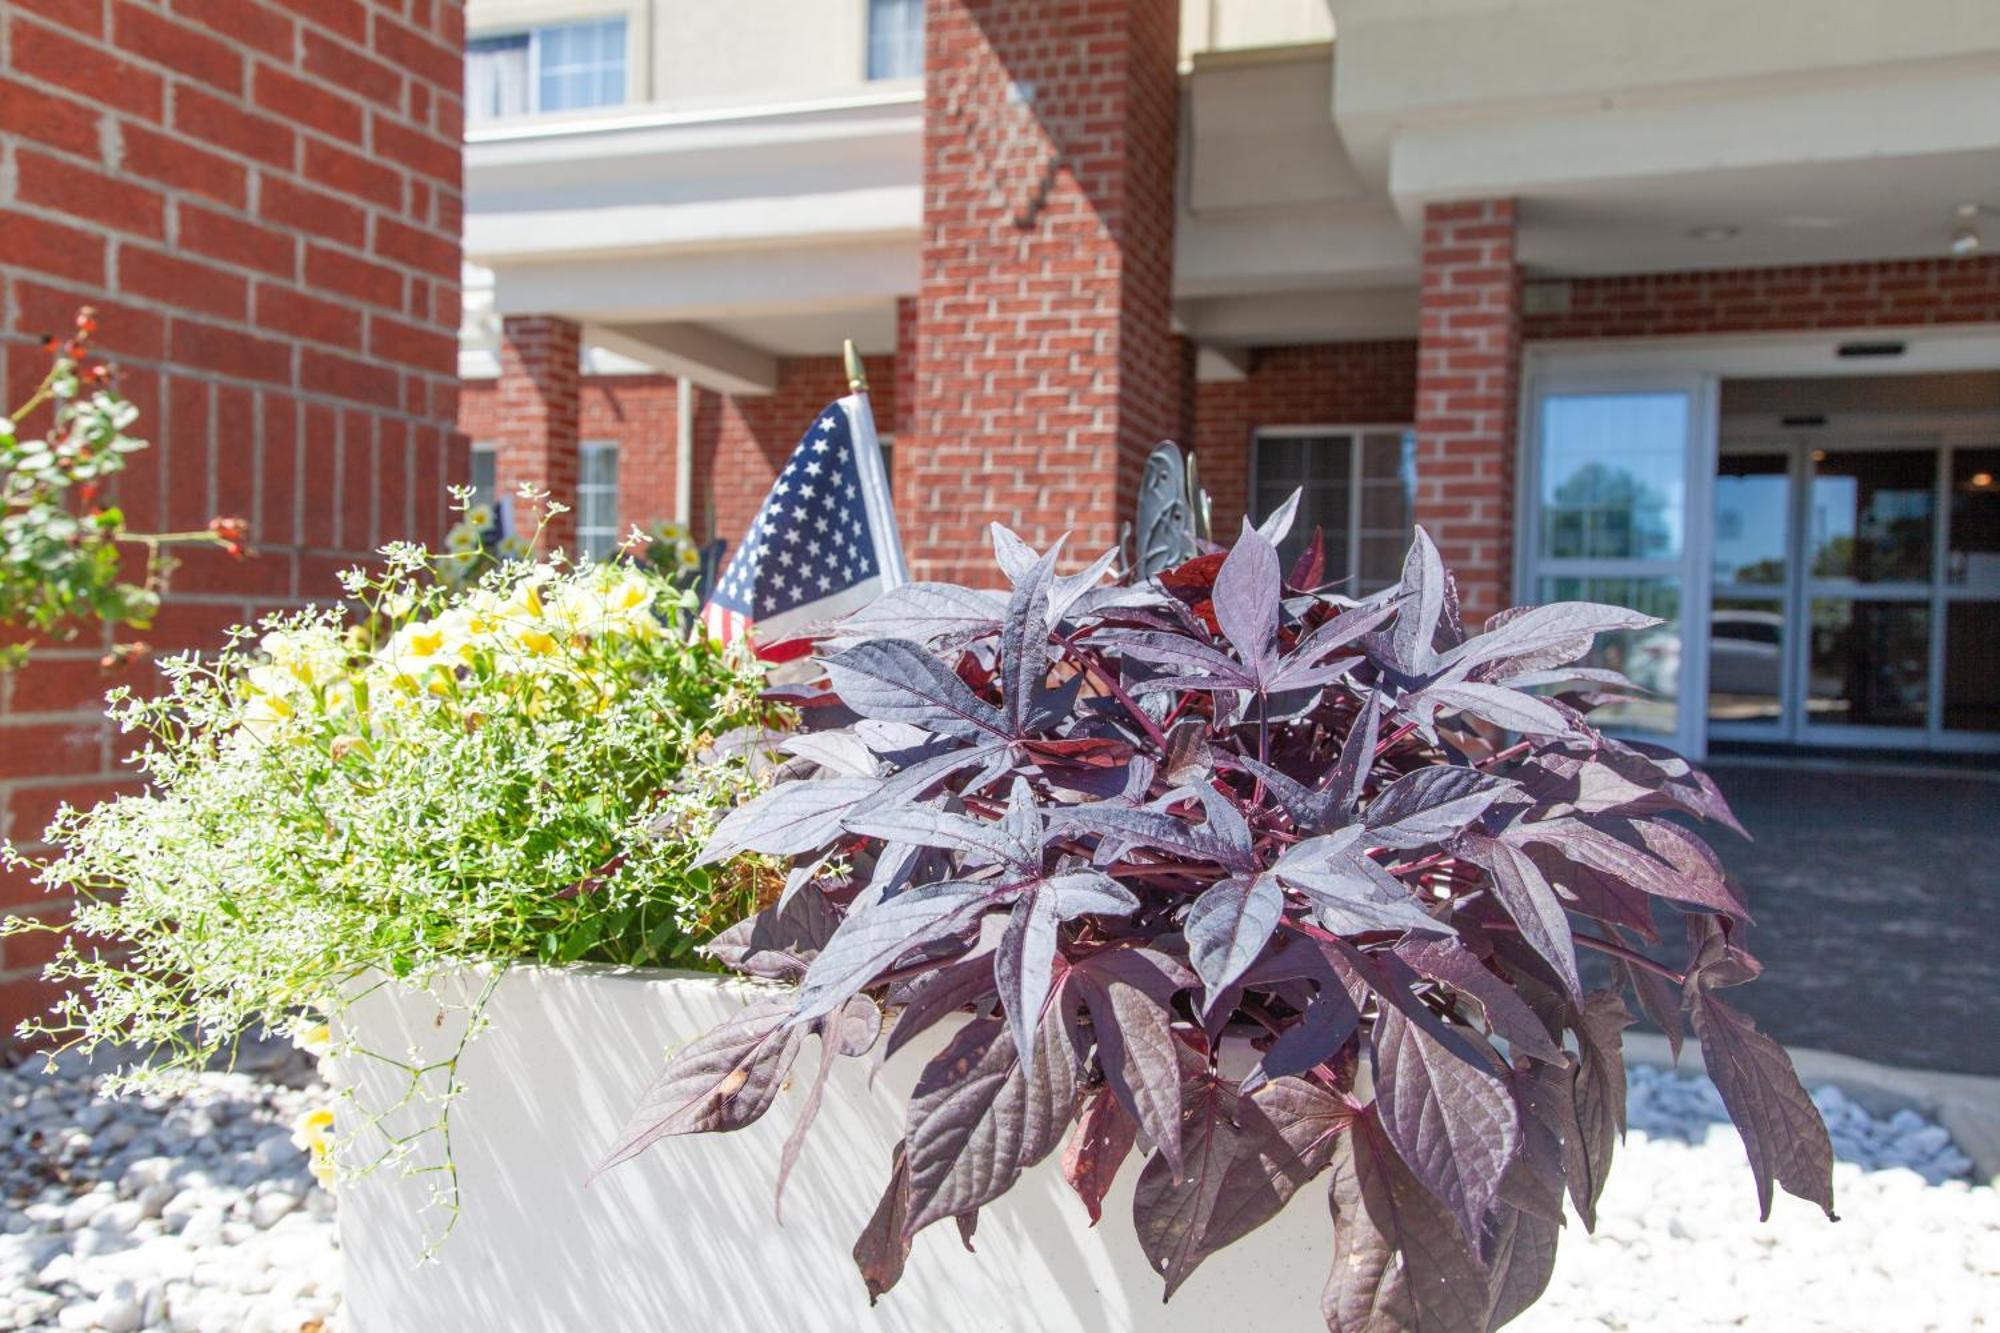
column 1468, row 371
column 740, row 442
column 1906, row 293
column 1319, row 384
column 1045, row 368
column 541, row 391
column 263, row 201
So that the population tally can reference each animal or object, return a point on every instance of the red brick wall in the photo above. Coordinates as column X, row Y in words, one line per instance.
column 1316, row 384
column 1468, row 369
column 740, row 443
column 1045, row 369
column 1893, row 293
column 262, row 199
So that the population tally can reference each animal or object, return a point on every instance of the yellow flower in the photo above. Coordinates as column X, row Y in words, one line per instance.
column 315, row 1039
column 312, row 1130
column 321, row 1166
column 538, row 641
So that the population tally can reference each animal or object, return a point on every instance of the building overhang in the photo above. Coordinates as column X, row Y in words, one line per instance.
column 1641, row 137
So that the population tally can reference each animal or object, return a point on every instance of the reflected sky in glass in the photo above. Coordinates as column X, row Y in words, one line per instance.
column 1614, row 475
column 1752, row 494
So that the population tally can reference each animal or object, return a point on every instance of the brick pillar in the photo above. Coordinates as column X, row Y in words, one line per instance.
column 906, row 371
column 1045, row 369
column 540, row 392
column 1468, row 372
column 262, row 199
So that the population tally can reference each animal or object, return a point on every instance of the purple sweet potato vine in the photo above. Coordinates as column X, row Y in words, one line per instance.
column 1240, row 885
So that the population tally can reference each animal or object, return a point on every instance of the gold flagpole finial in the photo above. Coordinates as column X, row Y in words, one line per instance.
column 857, row 376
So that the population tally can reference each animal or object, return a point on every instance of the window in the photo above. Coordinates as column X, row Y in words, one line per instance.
column 895, row 39
column 597, row 531
column 1357, row 484
column 485, row 480
column 569, row 67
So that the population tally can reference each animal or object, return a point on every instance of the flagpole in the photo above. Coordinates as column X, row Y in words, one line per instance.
column 857, row 375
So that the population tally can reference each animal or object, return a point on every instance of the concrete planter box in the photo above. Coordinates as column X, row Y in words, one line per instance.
column 684, row 1237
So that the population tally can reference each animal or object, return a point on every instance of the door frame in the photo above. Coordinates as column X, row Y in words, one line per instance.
column 1690, row 734
column 1606, row 365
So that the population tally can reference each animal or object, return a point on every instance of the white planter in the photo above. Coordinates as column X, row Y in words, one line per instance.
column 684, row 1238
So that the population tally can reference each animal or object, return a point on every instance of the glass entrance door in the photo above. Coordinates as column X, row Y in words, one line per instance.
column 1856, row 593
column 1619, row 473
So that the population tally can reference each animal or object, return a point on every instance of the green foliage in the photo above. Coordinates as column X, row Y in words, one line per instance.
column 445, row 775
column 59, row 558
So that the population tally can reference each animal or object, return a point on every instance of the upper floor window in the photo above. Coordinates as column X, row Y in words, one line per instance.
column 566, row 67
column 1359, row 488
column 895, row 39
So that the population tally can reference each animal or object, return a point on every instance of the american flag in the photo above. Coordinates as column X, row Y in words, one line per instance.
column 823, row 544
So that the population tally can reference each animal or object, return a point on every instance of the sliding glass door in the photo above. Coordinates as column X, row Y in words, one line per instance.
column 1616, row 487
column 1857, row 591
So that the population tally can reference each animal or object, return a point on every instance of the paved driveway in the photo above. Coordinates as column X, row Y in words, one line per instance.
column 1877, row 901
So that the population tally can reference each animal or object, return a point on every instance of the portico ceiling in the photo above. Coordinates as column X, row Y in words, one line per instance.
column 1634, row 143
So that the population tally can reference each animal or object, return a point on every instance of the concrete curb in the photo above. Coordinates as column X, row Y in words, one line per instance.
column 1967, row 1105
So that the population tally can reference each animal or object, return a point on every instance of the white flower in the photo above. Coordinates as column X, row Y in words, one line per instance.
column 479, row 517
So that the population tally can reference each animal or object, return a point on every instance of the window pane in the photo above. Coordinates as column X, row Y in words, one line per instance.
column 1746, row 660
column 1381, row 562
column 1752, row 517
column 581, row 65
column 1870, row 515
column 895, row 39
column 1281, row 460
column 1870, row 663
column 1319, row 466
column 496, row 78
column 485, row 473
column 1613, row 475
column 597, row 532
column 1650, row 658
column 1974, row 561
column 1971, row 682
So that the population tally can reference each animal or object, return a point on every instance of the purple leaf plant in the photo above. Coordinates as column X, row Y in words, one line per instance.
column 1240, row 884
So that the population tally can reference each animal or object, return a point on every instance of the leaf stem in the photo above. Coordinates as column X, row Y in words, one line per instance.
column 1604, row 946
column 1118, row 692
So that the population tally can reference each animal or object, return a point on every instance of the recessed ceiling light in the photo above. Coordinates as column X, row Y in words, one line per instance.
column 1720, row 231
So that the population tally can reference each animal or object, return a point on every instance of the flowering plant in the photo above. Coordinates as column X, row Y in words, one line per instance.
column 451, row 775
column 1245, row 883
column 59, row 533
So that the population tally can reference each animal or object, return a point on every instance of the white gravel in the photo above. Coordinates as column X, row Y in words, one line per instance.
column 197, row 1213
column 1679, row 1248
column 193, row 1212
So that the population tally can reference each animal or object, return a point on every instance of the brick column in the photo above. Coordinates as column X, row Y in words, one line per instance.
column 540, row 393
column 1045, row 369
column 1468, row 372
column 262, row 199
column 906, row 371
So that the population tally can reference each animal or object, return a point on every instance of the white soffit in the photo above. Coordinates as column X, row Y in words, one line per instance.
column 1269, row 201
column 807, row 173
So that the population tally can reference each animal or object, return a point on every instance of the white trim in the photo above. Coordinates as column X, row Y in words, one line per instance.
column 667, row 120
column 1757, row 356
